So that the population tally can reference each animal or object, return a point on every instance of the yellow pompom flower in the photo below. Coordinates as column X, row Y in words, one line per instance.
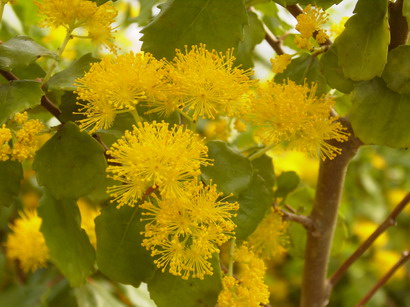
column 280, row 62
column 182, row 233
column 154, row 156
column 248, row 289
column 270, row 237
column 311, row 20
column 26, row 243
column 5, row 137
column 117, row 85
column 80, row 13
column 294, row 115
column 26, row 143
column 207, row 83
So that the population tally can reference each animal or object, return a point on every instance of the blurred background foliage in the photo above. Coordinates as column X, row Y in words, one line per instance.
column 377, row 179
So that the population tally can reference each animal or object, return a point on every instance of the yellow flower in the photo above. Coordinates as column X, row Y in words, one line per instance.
column 26, row 144
column 384, row 260
column 311, row 20
column 118, row 84
column 88, row 214
column 292, row 114
column 239, row 125
column 270, row 237
column 280, row 62
column 26, row 244
column 80, row 13
column 183, row 233
column 249, row 290
column 364, row 228
column 303, row 43
column 153, row 156
column 337, row 28
column 218, row 129
column 207, row 83
column 5, row 137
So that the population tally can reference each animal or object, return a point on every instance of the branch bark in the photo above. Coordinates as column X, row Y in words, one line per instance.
column 315, row 287
column 399, row 29
column 388, row 222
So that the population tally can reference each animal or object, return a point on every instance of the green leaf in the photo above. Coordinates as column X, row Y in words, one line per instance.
column 230, row 171
column 253, row 34
column 65, row 80
column 17, row 96
column 286, row 183
column 99, row 2
column 68, row 107
column 69, row 246
column 379, row 115
column 305, row 68
column 254, row 202
column 71, row 164
column 145, row 13
column 264, row 167
column 21, row 51
column 406, row 10
column 325, row 4
column 363, row 45
column 120, row 255
column 172, row 291
column 333, row 72
column 396, row 74
column 11, row 173
column 218, row 24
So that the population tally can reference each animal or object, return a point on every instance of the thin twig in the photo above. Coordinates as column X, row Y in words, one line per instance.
column 388, row 222
column 306, row 221
column 405, row 257
column 274, row 42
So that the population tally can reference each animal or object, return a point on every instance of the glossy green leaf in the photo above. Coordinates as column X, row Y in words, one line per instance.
column 333, row 72
column 230, row 171
column 65, row 80
column 69, row 246
column 71, row 164
column 218, row 24
column 305, row 68
column 254, row 202
column 253, row 34
column 286, row 183
column 11, row 173
column 363, row 45
column 380, row 116
column 21, row 51
column 17, row 96
column 396, row 74
column 120, row 255
column 172, row 291
column 69, row 107
column 264, row 167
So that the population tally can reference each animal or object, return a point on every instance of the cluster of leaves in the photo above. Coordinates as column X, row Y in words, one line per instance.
column 72, row 164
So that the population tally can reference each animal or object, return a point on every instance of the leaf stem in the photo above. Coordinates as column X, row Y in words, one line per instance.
column 388, row 222
column 136, row 116
column 260, row 152
column 60, row 52
column 405, row 257
column 231, row 257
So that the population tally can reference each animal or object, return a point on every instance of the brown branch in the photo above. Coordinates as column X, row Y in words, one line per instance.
column 399, row 29
column 405, row 257
column 388, row 222
column 8, row 75
column 274, row 42
column 315, row 288
column 306, row 221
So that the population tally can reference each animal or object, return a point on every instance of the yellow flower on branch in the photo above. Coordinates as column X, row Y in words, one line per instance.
column 248, row 289
column 294, row 115
column 207, row 83
column 5, row 137
column 26, row 243
column 270, row 237
column 280, row 62
column 183, row 233
column 310, row 23
column 154, row 156
column 117, row 85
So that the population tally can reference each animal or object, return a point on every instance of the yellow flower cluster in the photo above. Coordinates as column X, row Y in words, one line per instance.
column 294, row 115
column 26, row 244
column 310, row 23
column 184, row 232
column 248, row 289
column 280, row 62
column 24, row 142
column 270, row 238
column 80, row 13
column 152, row 156
column 117, row 85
